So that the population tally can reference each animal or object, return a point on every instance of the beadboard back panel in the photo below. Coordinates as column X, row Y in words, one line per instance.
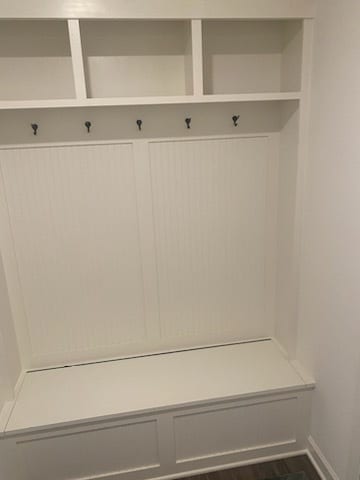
column 130, row 248
column 73, row 216
column 209, row 200
column 197, row 434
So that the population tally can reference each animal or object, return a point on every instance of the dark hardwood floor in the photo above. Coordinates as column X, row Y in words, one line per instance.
column 264, row 471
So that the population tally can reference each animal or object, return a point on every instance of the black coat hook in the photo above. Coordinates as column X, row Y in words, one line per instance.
column 235, row 119
column 88, row 126
column 35, row 127
column 139, row 124
column 188, row 122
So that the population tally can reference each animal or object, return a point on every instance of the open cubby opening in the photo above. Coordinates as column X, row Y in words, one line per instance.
column 137, row 58
column 35, row 60
column 252, row 56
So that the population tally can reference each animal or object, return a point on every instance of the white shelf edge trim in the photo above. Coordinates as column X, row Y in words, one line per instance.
column 134, row 101
column 162, row 9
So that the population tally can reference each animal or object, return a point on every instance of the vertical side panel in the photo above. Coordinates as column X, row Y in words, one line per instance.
column 197, row 55
column 77, row 58
column 293, row 159
column 285, row 284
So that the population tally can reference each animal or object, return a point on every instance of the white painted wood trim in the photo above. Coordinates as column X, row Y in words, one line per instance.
column 118, row 142
column 272, row 228
column 197, row 57
column 77, row 59
column 304, row 125
column 160, row 9
column 123, row 417
column 242, row 463
column 320, row 462
column 130, row 374
column 171, row 459
column 129, row 101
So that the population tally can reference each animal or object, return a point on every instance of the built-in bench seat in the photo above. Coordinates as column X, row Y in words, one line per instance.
column 158, row 415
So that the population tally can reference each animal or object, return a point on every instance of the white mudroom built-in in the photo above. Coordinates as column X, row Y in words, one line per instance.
column 153, row 161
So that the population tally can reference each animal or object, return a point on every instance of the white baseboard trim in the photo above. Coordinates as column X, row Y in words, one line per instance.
column 227, row 466
column 321, row 464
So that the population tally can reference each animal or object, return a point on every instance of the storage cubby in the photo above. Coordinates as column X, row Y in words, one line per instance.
column 137, row 58
column 35, row 60
column 252, row 56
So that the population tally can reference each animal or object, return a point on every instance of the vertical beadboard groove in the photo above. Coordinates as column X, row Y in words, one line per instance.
column 147, row 240
column 207, row 196
column 272, row 230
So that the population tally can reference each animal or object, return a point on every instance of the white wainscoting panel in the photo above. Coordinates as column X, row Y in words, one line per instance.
column 229, row 430
column 111, row 449
column 165, row 443
column 73, row 215
column 210, row 217
column 130, row 248
column 156, row 416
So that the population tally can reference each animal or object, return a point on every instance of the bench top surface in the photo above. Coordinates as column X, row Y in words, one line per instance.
column 72, row 395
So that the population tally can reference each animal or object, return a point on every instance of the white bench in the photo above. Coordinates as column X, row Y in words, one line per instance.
column 157, row 416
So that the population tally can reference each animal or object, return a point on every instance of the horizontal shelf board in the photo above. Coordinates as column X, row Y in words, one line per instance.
column 120, row 388
column 161, row 9
column 251, row 97
column 129, row 101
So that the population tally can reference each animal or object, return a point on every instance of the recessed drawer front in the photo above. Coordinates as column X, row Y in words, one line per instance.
column 112, row 449
column 234, row 429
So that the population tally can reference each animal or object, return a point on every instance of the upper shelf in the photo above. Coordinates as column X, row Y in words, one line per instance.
column 58, row 64
column 161, row 9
